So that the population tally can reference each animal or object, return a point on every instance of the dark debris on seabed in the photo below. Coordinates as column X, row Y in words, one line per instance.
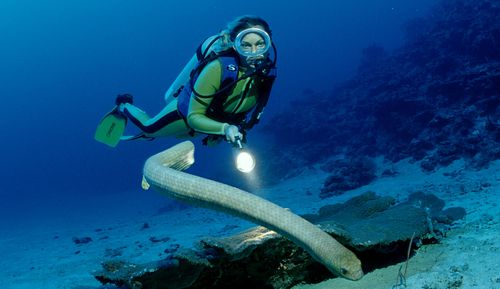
column 109, row 286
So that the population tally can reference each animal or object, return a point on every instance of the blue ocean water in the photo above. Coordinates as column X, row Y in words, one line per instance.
column 63, row 62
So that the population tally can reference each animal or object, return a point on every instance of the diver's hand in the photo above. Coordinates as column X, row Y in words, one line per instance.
column 232, row 133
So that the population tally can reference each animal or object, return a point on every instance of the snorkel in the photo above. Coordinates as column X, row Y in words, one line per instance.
column 252, row 44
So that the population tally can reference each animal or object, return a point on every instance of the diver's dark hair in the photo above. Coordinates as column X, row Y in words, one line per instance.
column 228, row 34
column 244, row 22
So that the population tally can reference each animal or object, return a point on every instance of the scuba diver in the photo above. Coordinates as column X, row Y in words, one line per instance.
column 220, row 93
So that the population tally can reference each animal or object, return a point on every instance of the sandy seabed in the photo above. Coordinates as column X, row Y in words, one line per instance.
column 43, row 254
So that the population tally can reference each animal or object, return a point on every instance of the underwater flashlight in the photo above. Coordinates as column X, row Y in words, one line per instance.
column 245, row 162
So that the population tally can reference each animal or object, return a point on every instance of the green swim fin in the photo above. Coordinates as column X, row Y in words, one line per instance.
column 111, row 128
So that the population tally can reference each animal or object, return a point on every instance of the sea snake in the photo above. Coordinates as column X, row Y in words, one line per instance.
column 163, row 172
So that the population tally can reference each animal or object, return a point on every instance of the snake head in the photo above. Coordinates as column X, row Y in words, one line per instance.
column 345, row 264
column 351, row 269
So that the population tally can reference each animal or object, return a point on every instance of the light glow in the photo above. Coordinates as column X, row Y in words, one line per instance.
column 245, row 162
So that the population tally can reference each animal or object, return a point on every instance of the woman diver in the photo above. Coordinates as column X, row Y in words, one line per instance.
column 221, row 92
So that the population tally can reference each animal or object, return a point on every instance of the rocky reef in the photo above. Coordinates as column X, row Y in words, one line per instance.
column 347, row 174
column 377, row 228
column 434, row 100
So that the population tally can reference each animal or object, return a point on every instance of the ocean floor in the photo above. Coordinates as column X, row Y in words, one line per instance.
column 62, row 251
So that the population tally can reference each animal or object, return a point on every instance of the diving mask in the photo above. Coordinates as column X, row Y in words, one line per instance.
column 252, row 43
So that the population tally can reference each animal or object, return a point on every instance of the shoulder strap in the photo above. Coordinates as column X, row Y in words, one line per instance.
column 229, row 70
column 265, row 85
column 229, row 77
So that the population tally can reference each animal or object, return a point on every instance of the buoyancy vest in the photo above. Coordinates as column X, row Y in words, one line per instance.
column 264, row 78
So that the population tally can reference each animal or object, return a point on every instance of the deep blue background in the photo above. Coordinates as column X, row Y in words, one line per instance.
column 63, row 62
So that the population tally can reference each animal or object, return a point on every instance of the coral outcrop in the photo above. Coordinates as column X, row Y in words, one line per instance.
column 375, row 227
column 435, row 100
column 347, row 174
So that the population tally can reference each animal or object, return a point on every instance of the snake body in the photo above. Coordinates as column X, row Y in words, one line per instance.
column 163, row 172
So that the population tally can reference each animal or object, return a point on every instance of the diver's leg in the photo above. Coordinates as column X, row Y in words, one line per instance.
column 139, row 117
column 166, row 123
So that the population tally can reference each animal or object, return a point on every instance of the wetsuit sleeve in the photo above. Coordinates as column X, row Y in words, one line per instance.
column 208, row 83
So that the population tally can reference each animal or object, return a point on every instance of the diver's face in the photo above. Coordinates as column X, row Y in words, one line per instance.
column 253, row 43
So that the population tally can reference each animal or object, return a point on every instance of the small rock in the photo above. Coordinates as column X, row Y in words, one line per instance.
column 172, row 248
column 158, row 240
column 82, row 240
